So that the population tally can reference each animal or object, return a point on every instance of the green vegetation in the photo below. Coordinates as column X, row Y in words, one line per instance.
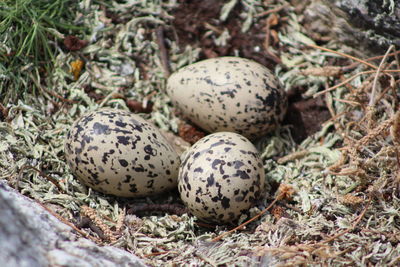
column 29, row 32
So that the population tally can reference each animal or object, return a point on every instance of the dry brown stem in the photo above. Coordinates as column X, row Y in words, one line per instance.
column 51, row 179
column 274, row 10
column 372, row 100
column 344, row 55
column 285, row 191
column 84, row 234
column 356, row 222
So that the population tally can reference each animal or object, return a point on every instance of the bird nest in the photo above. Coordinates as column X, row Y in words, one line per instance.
column 333, row 193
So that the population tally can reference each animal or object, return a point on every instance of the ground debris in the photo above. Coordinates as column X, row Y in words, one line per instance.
column 333, row 171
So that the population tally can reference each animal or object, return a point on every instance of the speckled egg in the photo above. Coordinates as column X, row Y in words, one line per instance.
column 229, row 94
column 220, row 177
column 119, row 153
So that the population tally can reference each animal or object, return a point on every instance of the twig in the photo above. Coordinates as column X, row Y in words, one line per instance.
column 373, row 93
column 61, row 219
column 51, row 179
column 344, row 55
column 349, row 79
column 163, row 51
column 279, row 197
column 159, row 253
column 395, row 54
column 353, row 65
column 267, row 42
column 54, row 94
column 357, row 221
column 342, row 83
column 274, row 10
column 212, row 28
column 353, row 103
column 293, row 156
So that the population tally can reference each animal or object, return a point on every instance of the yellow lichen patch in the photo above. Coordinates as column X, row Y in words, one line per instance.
column 76, row 68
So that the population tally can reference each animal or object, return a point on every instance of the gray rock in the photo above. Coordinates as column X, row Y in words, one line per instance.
column 370, row 24
column 30, row 236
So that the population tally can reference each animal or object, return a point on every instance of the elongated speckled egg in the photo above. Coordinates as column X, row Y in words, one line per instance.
column 229, row 94
column 119, row 153
column 220, row 177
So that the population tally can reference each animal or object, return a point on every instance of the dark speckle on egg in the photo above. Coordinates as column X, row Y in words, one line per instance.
column 119, row 153
column 217, row 187
column 229, row 94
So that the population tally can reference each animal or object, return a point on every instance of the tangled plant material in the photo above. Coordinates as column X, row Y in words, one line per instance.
column 367, row 141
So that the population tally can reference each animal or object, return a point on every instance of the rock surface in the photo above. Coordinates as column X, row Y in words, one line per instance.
column 371, row 24
column 32, row 237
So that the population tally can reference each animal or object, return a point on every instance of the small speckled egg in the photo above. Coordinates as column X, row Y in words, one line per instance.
column 229, row 94
column 119, row 153
column 220, row 177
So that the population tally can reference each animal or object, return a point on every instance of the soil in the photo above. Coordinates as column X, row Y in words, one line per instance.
column 306, row 115
column 191, row 23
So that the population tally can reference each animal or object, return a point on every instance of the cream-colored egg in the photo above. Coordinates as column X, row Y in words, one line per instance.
column 229, row 94
column 119, row 153
column 220, row 177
